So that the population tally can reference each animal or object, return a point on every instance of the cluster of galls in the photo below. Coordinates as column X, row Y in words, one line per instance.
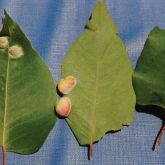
column 65, row 86
column 14, row 51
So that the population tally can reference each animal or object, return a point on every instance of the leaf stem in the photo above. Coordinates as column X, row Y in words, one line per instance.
column 3, row 155
column 90, row 150
column 160, row 135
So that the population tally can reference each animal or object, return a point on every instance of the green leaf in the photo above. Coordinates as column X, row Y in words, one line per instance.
column 148, row 78
column 27, row 94
column 103, row 99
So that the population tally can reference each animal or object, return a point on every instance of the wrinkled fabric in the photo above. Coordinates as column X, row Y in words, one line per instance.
column 52, row 26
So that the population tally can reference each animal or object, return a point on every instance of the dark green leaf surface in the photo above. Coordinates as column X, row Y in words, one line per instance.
column 103, row 98
column 149, row 75
column 27, row 95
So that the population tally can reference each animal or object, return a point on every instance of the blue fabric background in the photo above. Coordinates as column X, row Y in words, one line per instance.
column 52, row 26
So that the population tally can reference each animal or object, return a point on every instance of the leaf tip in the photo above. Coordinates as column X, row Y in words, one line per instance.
column 6, row 15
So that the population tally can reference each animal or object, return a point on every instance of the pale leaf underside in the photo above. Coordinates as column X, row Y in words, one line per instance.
column 103, row 99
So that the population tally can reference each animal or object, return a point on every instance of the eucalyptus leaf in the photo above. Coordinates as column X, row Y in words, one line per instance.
column 103, row 99
column 27, row 94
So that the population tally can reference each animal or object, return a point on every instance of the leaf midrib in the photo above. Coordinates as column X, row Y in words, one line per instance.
column 93, row 120
column 6, row 100
column 93, row 116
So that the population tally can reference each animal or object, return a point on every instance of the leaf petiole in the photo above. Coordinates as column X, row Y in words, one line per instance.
column 3, row 155
column 160, row 135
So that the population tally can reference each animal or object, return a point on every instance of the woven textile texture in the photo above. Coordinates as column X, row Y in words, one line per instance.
column 52, row 26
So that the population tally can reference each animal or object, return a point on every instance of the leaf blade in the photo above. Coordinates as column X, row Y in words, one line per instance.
column 148, row 76
column 30, row 92
column 94, row 61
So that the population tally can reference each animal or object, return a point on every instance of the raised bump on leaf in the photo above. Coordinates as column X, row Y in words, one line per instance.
column 16, row 51
column 63, row 107
column 66, row 85
column 3, row 42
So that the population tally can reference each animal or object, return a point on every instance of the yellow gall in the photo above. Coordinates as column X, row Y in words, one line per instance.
column 63, row 86
column 66, row 85
column 16, row 51
column 4, row 42
column 71, row 81
column 63, row 107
